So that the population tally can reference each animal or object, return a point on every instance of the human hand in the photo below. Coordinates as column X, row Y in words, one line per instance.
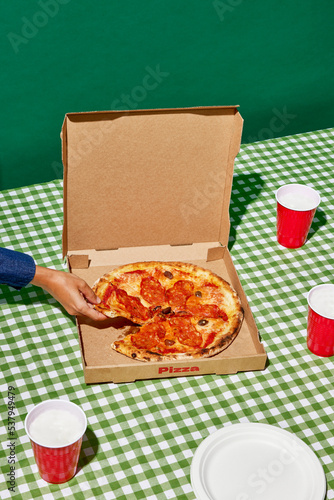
column 70, row 290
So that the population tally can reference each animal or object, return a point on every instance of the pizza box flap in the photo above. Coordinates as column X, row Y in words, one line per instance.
column 148, row 177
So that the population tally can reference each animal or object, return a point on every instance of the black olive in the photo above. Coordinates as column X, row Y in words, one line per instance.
column 167, row 310
column 203, row 322
column 169, row 342
column 134, row 355
column 168, row 274
column 198, row 294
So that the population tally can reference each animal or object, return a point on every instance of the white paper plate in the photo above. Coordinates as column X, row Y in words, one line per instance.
column 256, row 462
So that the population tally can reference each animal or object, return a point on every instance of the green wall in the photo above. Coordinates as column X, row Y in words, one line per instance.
column 273, row 57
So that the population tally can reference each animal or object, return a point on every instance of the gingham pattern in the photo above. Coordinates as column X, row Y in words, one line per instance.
column 141, row 436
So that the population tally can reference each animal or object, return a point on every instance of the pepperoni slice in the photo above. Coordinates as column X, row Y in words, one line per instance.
column 152, row 291
column 211, row 337
column 195, row 306
column 149, row 336
column 179, row 292
column 130, row 277
column 185, row 332
column 132, row 305
column 107, row 293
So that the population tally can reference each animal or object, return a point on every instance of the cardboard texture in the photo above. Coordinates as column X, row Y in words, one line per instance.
column 151, row 185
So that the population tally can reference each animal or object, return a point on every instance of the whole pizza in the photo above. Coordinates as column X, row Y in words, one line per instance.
column 179, row 310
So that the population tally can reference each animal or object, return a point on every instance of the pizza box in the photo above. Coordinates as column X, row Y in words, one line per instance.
column 145, row 185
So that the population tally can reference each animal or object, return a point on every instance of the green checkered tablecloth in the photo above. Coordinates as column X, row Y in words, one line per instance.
column 142, row 436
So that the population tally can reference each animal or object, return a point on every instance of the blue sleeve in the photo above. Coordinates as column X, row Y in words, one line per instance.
column 16, row 269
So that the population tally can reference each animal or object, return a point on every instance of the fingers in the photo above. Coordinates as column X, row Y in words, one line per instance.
column 86, row 309
column 93, row 314
column 88, row 293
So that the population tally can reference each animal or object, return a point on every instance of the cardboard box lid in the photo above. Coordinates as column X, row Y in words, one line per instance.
column 148, row 177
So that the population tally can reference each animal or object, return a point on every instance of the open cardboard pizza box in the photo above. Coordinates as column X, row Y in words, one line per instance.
column 149, row 185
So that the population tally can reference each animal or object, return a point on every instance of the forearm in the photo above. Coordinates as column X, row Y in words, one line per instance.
column 44, row 277
column 18, row 269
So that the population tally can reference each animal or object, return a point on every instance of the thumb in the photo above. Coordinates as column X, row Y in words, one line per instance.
column 89, row 294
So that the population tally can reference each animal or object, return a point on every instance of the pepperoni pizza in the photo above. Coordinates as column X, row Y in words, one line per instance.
column 179, row 310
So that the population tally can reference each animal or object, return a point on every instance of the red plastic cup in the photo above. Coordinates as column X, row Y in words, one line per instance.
column 56, row 463
column 296, row 206
column 320, row 323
